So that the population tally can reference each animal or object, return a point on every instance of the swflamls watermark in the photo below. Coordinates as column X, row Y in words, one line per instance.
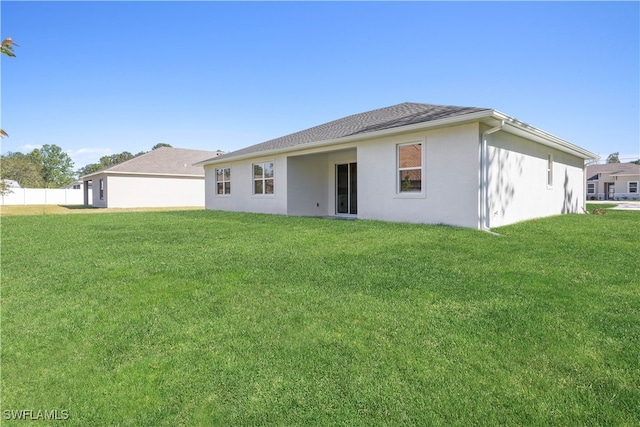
column 36, row 415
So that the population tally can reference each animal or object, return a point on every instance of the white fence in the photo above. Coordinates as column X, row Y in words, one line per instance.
column 44, row 196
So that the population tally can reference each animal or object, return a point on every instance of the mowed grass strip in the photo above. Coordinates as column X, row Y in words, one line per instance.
column 211, row 318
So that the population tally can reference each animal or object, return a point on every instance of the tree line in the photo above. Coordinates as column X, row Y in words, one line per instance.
column 51, row 167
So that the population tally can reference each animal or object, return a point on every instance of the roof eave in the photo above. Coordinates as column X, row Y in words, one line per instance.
column 471, row 117
column 512, row 126
column 523, row 129
column 107, row 172
column 625, row 174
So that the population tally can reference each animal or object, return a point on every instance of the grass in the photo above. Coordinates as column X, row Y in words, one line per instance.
column 211, row 318
column 7, row 210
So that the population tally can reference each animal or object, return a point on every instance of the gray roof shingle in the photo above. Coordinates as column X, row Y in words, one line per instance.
column 404, row 114
column 612, row 169
column 165, row 160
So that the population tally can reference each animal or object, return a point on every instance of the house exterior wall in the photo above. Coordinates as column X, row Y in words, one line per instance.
column 621, row 187
column 308, row 185
column 450, row 178
column 96, row 200
column 517, row 188
column 242, row 198
column 132, row 191
column 348, row 154
column 517, row 180
column 306, row 180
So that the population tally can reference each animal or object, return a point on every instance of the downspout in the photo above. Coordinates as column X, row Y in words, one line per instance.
column 484, row 178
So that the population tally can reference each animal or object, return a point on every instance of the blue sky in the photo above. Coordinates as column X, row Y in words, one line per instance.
column 100, row 78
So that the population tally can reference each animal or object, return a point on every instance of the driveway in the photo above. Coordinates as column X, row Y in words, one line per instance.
column 623, row 205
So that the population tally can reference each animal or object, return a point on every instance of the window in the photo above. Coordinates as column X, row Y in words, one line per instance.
column 101, row 189
column 223, row 181
column 410, row 168
column 263, row 180
column 633, row 187
column 549, row 170
column 591, row 188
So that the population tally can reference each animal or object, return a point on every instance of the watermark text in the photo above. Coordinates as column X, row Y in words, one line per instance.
column 35, row 415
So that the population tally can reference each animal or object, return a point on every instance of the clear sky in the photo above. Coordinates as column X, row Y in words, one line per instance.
column 100, row 78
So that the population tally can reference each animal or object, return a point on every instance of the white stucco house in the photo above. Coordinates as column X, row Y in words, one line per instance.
column 419, row 163
column 613, row 181
column 77, row 185
column 164, row 177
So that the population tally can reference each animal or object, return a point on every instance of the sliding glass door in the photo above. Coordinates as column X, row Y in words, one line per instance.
column 347, row 189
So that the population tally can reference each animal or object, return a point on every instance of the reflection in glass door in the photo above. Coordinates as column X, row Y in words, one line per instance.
column 347, row 189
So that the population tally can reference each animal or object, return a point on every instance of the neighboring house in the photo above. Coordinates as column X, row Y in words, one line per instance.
column 162, row 177
column 469, row 167
column 80, row 185
column 613, row 181
column 77, row 185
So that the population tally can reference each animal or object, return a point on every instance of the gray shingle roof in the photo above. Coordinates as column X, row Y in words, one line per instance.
column 404, row 114
column 612, row 169
column 165, row 160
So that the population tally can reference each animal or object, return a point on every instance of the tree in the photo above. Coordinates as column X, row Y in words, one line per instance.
column 114, row 159
column 56, row 167
column 4, row 188
column 636, row 162
column 106, row 162
column 614, row 157
column 7, row 49
column 18, row 167
column 88, row 169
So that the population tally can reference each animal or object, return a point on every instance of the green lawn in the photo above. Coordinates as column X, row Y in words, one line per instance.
column 209, row 318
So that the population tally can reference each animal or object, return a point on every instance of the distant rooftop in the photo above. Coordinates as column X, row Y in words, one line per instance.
column 164, row 160
column 612, row 169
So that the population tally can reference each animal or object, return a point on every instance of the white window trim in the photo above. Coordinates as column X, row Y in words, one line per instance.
column 411, row 194
column 637, row 187
column 216, row 194
column 549, row 168
column 594, row 187
column 253, row 180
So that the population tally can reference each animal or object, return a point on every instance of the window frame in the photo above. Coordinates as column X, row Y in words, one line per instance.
column 550, row 165
column 593, row 185
column 226, row 191
column 264, row 178
column 637, row 184
column 398, row 170
column 101, row 189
